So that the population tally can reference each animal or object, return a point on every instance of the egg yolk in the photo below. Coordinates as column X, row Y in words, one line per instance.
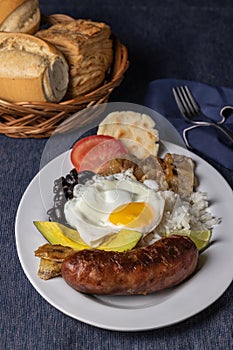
column 133, row 215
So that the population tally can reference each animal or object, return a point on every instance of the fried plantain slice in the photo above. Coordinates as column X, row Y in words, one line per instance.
column 53, row 252
column 49, row 269
column 51, row 257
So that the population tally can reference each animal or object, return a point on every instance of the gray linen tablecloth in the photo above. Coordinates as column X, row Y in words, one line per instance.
column 183, row 39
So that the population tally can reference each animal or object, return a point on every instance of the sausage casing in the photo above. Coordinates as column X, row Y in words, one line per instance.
column 145, row 270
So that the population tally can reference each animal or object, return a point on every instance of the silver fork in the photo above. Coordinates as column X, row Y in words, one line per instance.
column 192, row 113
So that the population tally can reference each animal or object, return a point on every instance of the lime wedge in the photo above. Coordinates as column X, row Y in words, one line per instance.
column 200, row 237
column 122, row 241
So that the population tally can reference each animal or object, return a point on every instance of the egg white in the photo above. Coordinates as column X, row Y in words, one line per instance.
column 89, row 209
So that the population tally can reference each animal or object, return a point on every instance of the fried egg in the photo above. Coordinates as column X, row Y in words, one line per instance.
column 105, row 205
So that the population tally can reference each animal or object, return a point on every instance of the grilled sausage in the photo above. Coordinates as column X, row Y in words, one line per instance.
column 145, row 270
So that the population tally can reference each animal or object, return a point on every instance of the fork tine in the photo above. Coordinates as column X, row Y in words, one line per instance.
column 193, row 104
column 179, row 100
column 188, row 104
column 185, row 101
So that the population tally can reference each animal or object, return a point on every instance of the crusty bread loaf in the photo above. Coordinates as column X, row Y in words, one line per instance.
column 21, row 16
column 31, row 69
column 87, row 47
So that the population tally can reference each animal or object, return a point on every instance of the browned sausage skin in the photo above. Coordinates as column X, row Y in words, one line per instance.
column 161, row 265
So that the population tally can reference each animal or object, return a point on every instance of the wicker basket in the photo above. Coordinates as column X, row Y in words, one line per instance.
column 40, row 119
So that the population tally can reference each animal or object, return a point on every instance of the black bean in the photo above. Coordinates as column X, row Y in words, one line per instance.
column 69, row 193
column 56, row 188
column 63, row 191
column 50, row 212
column 52, row 215
column 58, row 212
column 59, row 197
column 69, row 180
column 59, row 204
column 74, row 174
column 58, row 181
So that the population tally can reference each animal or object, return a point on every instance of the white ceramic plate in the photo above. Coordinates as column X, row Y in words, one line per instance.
column 136, row 312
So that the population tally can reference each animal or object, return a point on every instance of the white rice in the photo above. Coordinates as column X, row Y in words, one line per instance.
column 183, row 215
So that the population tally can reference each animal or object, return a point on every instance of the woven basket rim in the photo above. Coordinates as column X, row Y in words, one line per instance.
column 39, row 119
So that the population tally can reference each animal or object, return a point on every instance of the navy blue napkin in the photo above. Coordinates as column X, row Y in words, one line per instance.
column 206, row 141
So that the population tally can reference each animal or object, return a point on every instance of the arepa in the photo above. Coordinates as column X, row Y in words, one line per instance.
column 137, row 132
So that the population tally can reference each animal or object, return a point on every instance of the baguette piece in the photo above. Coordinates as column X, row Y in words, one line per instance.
column 21, row 16
column 31, row 69
column 87, row 47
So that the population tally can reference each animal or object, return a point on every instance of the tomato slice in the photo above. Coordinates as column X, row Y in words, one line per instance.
column 92, row 152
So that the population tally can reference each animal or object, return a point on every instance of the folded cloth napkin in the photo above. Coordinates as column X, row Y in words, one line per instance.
column 205, row 140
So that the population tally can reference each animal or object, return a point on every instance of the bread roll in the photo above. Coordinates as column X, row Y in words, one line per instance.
column 21, row 16
column 87, row 47
column 31, row 69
